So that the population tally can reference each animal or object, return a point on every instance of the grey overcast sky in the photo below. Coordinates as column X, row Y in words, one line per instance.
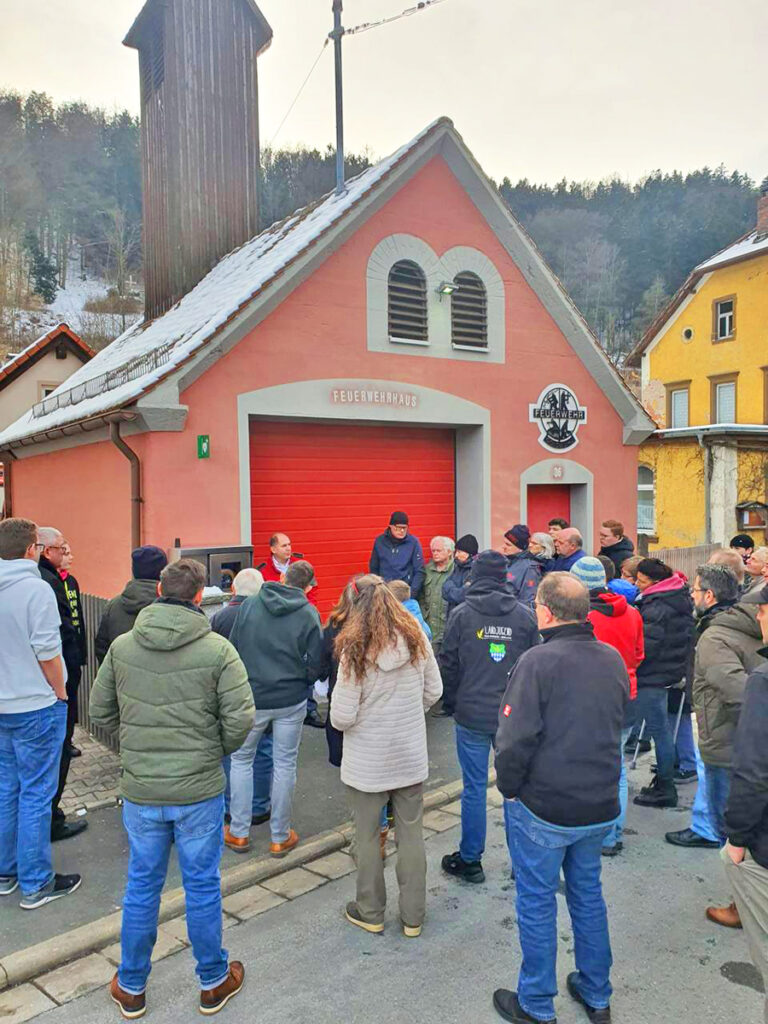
column 542, row 89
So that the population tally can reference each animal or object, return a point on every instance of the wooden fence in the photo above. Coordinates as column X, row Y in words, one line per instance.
column 685, row 560
column 93, row 608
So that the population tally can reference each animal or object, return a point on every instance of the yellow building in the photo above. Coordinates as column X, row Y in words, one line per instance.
column 703, row 474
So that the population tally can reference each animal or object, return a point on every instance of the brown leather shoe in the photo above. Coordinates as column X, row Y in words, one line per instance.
column 214, row 999
column 280, row 849
column 236, row 843
column 131, row 1007
column 728, row 916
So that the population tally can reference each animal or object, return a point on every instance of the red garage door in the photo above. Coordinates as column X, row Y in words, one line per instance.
column 332, row 487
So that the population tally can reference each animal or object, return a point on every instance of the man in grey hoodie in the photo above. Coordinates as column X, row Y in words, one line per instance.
column 33, row 719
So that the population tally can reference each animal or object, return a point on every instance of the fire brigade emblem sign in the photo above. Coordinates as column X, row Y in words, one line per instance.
column 559, row 416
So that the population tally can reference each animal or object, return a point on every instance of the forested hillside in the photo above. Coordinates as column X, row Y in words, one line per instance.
column 70, row 218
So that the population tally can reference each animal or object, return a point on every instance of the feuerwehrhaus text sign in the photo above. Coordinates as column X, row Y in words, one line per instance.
column 558, row 415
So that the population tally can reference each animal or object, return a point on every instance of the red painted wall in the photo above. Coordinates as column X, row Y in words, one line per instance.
column 320, row 332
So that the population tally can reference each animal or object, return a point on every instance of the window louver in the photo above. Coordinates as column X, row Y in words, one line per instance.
column 152, row 58
column 407, row 302
column 469, row 312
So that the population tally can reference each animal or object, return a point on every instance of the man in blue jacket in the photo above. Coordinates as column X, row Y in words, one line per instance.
column 569, row 548
column 397, row 555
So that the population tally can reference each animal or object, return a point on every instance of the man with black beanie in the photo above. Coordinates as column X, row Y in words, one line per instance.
column 483, row 639
column 120, row 614
column 397, row 555
column 454, row 588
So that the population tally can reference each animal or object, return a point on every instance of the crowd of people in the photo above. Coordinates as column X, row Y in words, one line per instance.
column 559, row 664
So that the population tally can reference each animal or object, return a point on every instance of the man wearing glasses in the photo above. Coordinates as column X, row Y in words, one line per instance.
column 397, row 555
column 51, row 560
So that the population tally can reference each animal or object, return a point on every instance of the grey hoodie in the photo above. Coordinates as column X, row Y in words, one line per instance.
column 29, row 633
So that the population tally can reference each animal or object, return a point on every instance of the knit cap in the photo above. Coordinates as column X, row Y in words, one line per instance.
column 468, row 543
column 398, row 519
column 590, row 572
column 519, row 535
column 489, row 565
column 148, row 562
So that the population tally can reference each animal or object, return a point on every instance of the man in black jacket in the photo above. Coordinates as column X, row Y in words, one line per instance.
column 455, row 587
column 483, row 639
column 558, row 766
column 746, row 817
column 147, row 563
column 51, row 561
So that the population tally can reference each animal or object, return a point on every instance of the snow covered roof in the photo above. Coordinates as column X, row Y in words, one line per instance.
column 37, row 348
column 149, row 353
column 743, row 248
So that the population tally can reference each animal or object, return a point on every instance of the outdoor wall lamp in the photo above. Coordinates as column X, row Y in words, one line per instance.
column 446, row 288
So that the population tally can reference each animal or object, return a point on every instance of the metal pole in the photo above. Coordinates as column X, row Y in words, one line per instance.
column 336, row 35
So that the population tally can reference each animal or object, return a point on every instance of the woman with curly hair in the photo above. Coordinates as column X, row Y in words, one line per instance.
column 387, row 679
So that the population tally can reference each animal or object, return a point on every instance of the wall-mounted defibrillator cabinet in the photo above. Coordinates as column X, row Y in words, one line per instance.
column 221, row 564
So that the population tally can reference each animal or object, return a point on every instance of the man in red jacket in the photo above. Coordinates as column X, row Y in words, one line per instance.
column 621, row 626
column 280, row 557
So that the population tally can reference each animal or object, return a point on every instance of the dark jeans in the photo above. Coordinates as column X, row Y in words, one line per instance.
column 30, row 748
column 73, row 685
column 539, row 852
column 651, row 705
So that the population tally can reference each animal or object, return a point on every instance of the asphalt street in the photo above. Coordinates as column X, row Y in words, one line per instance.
column 100, row 854
column 304, row 963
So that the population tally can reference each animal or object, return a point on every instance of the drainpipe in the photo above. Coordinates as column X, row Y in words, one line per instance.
column 136, row 498
column 7, row 459
column 707, row 451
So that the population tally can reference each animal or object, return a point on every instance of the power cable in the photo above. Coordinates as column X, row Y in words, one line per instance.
column 409, row 12
column 296, row 98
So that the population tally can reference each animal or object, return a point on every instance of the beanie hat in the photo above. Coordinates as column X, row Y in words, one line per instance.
column 148, row 562
column 590, row 572
column 742, row 540
column 468, row 543
column 489, row 565
column 519, row 535
column 398, row 519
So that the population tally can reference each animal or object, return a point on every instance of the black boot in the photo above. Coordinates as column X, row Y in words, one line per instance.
column 660, row 793
column 453, row 864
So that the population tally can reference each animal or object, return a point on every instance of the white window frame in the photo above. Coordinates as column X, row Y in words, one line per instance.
column 725, row 321
column 680, row 391
column 719, row 418
column 646, row 489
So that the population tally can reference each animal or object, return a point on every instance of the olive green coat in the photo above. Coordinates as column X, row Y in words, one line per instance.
column 180, row 698
column 434, row 607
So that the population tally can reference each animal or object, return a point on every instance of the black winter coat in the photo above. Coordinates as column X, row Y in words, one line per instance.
column 330, row 668
column 619, row 552
column 559, row 734
column 120, row 614
column 71, row 642
column 746, row 815
column 483, row 639
column 668, row 631
column 224, row 619
column 455, row 587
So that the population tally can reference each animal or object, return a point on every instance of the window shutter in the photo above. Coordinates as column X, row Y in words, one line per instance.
column 726, row 403
column 407, row 302
column 469, row 312
column 679, row 408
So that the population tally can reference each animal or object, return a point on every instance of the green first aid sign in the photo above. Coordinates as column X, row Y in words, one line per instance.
column 203, row 446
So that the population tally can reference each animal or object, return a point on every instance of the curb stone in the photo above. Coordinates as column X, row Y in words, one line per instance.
column 30, row 963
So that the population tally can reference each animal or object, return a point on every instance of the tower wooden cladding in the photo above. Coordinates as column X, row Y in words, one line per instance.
column 200, row 137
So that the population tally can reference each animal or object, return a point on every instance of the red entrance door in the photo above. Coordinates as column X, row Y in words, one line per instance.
column 332, row 487
column 545, row 502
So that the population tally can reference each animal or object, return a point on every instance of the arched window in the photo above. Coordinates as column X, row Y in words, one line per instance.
column 646, row 500
column 469, row 312
column 407, row 302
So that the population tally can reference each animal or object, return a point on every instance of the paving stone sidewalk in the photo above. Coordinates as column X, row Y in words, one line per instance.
column 93, row 777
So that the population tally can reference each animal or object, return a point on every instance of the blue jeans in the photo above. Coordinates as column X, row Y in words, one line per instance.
column 651, row 705
column 701, row 821
column 262, row 777
column 473, row 749
column 30, row 751
column 718, row 788
column 286, row 736
column 539, row 851
column 685, row 745
column 196, row 830
column 617, row 829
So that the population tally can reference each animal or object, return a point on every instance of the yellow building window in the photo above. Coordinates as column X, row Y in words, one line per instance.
column 724, row 318
column 677, row 403
column 723, row 398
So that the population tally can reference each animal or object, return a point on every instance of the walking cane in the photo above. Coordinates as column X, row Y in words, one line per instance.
column 637, row 748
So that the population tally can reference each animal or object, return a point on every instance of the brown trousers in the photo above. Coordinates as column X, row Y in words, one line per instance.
column 408, row 807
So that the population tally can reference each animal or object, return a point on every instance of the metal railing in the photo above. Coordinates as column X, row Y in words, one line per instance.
column 93, row 609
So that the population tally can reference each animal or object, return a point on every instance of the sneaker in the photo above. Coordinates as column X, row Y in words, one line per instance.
column 8, row 884
column 612, row 851
column 683, row 775
column 238, row 844
column 507, row 1006
column 411, row 931
column 280, row 849
column 314, row 720
column 470, row 871
column 214, row 999
column 597, row 1016
column 353, row 915
column 63, row 885
column 131, row 1007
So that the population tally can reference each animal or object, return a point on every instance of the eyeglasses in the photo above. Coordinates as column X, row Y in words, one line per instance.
column 39, row 545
